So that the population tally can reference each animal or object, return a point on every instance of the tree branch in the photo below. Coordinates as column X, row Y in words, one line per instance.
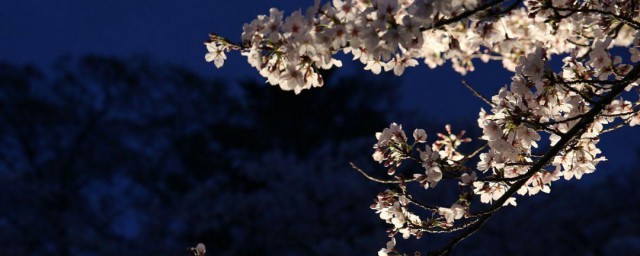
column 467, row 14
column 573, row 133
column 632, row 23
column 477, row 94
column 376, row 179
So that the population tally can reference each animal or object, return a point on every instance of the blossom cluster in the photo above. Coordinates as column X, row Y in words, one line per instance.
column 540, row 103
column 393, row 148
column 441, row 156
column 545, row 125
column 393, row 208
column 393, row 34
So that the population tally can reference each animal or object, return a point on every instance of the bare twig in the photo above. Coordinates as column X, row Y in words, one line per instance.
column 477, row 94
column 423, row 206
column 376, row 179
column 449, row 230
column 616, row 127
column 628, row 21
column 474, row 153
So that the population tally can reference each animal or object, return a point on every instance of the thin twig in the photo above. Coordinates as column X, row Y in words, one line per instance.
column 423, row 206
column 477, row 94
column 613, row 128
column 449, row 230
column 576, row 117
column 474, row 153
column 376, row 179
column 635, row 111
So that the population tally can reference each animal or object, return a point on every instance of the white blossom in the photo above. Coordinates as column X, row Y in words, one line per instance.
column 216, row 54
column 419, row 135
column 451, row 214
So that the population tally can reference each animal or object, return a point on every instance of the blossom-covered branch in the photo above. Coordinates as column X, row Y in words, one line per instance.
column 571, row 107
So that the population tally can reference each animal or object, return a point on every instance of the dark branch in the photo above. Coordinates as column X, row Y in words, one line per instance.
column 468, row 13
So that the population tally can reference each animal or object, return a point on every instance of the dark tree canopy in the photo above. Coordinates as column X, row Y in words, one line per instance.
column 101, row 156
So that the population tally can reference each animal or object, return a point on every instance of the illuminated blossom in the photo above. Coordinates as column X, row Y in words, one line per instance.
column 570, row 107
column 216, row 54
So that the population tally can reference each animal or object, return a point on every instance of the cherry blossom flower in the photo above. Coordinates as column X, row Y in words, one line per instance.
column 491, row 131
column 392, row 134
column 199, row 250
column 399, row 63
column 533, row 65
column 599, row 57
column 420, row 136
column 216, row 54
column 374, row 65
column 390, row 245
column 527, row 137
column 634, row 120
column 466, row 179
column 451, row 214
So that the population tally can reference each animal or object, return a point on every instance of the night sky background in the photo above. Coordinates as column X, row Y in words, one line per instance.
column 116, row 137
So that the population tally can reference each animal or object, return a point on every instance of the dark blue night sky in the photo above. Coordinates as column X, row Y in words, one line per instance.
column 172, row 150
column 172, row 32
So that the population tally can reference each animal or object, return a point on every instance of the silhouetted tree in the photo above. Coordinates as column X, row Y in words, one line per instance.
column 103, row 156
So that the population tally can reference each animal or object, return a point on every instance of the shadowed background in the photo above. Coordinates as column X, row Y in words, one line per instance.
column 116, row 137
